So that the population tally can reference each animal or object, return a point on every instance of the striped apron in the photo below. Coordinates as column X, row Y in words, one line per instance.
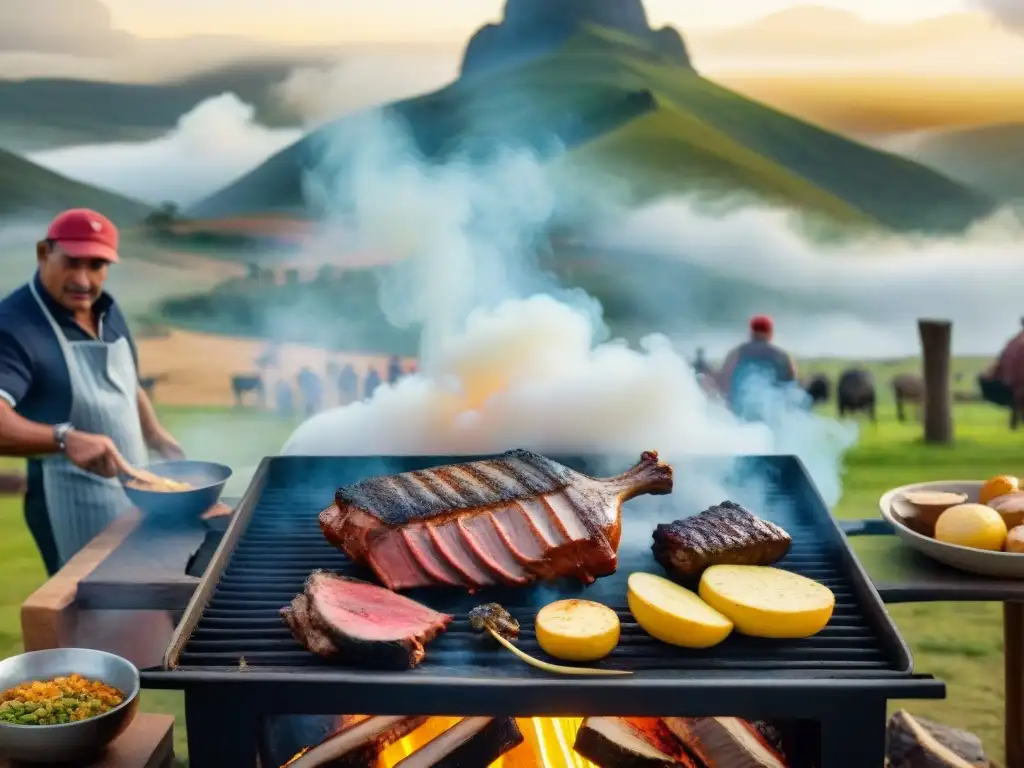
column 104, row 401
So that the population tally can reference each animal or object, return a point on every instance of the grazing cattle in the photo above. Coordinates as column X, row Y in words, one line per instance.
column 856, row 392
column 818, row 388
column 907, row 389
column 243, row 384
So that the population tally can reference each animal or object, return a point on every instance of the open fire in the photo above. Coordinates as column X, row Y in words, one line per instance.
column 547, row 742
column 597, row 742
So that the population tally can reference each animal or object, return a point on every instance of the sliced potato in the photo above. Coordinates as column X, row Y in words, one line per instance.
column 674, row 614
column 768, row 602
column 577, row 630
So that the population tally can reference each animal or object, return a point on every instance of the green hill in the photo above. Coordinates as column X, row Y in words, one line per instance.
column 26, row 188
column 990, row 158
column 99, row 111
column 691, row 134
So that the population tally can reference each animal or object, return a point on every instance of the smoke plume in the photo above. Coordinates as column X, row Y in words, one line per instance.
column 509, row 358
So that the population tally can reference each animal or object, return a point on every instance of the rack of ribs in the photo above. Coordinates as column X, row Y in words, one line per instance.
column 513, row 520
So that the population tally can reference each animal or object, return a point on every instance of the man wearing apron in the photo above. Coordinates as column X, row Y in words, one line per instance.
column 70, row 398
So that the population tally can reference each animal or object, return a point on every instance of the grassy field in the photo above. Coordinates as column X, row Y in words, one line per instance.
column 961, row 644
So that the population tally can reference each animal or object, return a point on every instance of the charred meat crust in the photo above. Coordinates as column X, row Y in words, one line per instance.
column 431, row 494
column 475, row 525
column 725, row 534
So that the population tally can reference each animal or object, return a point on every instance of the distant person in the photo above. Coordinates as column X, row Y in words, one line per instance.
column 283, row 398
column 394, row 369
column 348, row 384
column 411, row 370
column 1003, row 382
column 269, row 357
column 371, row 383
column 752, row 365
column 312, row 389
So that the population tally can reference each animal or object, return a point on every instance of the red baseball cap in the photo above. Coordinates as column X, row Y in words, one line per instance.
column 85, row 234
column 761, row 324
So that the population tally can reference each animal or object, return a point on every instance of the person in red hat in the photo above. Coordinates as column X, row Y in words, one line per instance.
column 70, row 398
column 758, row 356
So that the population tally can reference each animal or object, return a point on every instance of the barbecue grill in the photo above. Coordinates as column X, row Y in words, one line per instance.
column 237, row 662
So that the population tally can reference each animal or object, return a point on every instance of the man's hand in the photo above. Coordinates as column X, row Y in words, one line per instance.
column 165, row 445
column 93, row 453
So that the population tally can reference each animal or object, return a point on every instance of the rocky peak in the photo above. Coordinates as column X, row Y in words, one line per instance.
column 532, row 28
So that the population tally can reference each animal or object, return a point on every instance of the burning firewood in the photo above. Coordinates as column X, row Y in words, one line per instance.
column 357, row 745
column 472, row 741
column 912, row 742
column 724, row 741
column 636, row 742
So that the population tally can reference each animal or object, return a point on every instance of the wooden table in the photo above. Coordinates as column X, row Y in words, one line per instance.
column 148, row 743
column 903, row 575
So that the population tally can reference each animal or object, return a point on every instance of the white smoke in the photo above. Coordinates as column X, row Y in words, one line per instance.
column 504, row 365
column 210, row 147
column 857, row 299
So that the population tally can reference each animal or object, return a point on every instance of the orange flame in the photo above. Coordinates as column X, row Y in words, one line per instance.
column 547, row 742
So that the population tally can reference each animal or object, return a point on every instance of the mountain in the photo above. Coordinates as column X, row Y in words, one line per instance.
column 623, row 108
column 93, row 111
column 29, row 189
column 532, row 28
column 990, row 158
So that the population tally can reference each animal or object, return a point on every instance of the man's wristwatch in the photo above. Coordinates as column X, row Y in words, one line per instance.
column 60, row 435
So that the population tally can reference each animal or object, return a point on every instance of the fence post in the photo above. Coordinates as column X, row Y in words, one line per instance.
column 936, row 347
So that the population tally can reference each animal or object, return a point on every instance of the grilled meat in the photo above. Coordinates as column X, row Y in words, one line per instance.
column 510, row 520
column 356, row 622
column 726, row 534
column 471, row 742
column 724, row 742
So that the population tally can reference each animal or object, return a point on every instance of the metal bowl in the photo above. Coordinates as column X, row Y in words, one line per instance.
column 206, row 478
column 77, row 742
column 1004, row 565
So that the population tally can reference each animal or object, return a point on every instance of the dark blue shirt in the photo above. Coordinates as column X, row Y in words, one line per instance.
column 34, row 378
column 33, row 375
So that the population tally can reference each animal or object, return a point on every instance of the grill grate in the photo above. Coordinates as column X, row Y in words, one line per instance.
column 279, row 544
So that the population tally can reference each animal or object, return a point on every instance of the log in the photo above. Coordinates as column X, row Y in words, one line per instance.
column 936, row 345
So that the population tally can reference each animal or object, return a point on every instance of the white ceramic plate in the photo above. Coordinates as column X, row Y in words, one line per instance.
column 1006, row 565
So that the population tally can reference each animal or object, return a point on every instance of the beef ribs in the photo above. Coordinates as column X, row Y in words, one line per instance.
column 726, row 534
column 355, row 622
column 514, row 519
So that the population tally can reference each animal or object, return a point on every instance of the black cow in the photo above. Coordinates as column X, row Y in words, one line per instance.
column 818, row 388
column 856, row 392
column 243, row 384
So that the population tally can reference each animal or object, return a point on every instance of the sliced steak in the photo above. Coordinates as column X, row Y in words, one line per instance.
column 726, row 534
column 355, row 622
column 510, row 520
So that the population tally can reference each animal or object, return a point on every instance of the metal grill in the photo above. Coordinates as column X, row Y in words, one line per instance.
column 233, row 636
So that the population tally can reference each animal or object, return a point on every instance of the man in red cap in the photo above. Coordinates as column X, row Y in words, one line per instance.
column 758, row 357
column 70, row 398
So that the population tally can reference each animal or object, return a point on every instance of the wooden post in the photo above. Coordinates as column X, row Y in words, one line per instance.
column 936, row 338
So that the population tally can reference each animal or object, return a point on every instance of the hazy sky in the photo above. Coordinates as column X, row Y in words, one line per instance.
column 301, row 21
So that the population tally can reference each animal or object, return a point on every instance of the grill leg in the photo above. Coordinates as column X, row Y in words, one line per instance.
column 221, row 734
column 854, row 737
